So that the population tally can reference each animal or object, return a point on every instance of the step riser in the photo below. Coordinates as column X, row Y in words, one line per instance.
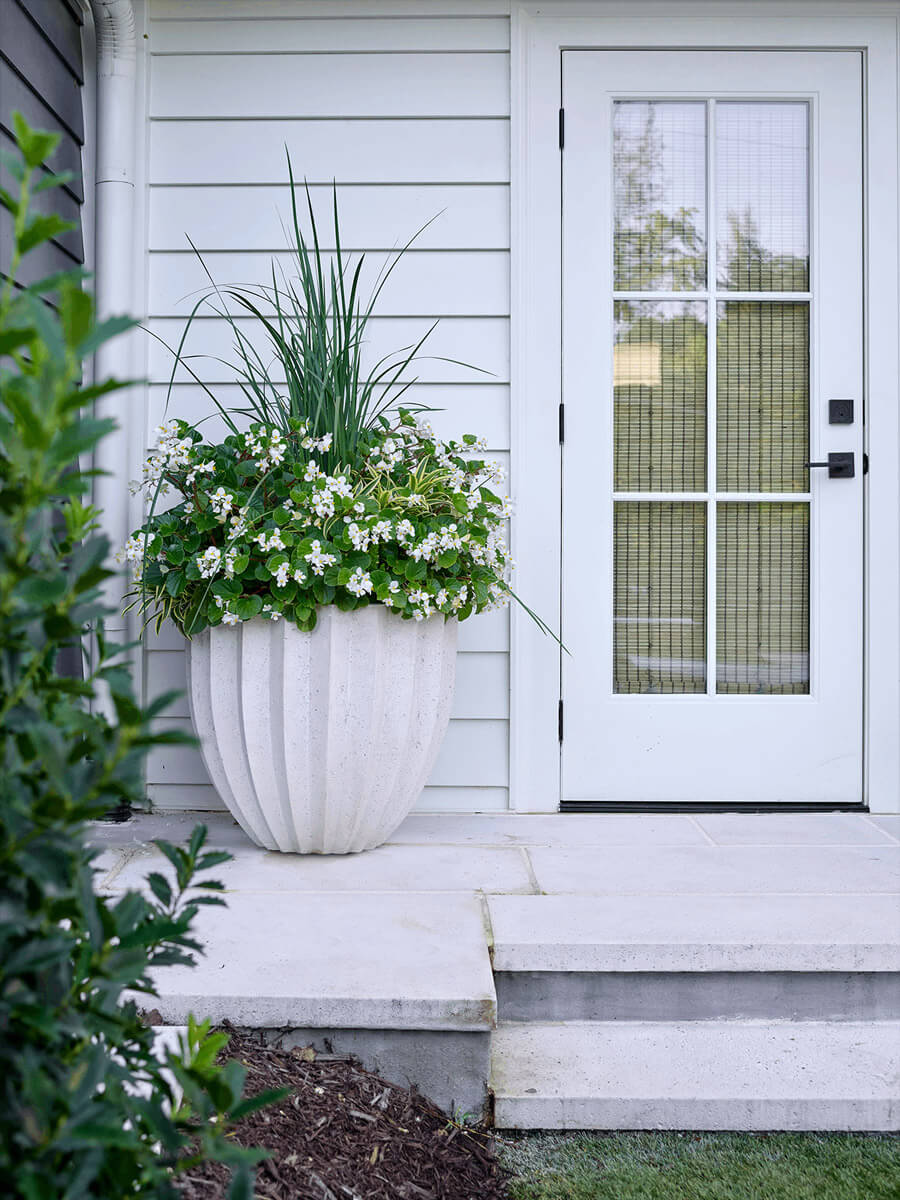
column 735, row 1115
column 754, row 1075
column 697, row 996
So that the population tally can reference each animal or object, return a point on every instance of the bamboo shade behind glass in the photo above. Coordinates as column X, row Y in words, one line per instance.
column 762, row 404
column 762, row 598
column 660, row 597
column 659, row 377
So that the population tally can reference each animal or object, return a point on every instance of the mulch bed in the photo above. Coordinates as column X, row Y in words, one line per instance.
column 345, row 1134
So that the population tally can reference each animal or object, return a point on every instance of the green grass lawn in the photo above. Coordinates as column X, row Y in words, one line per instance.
column 703, row 1166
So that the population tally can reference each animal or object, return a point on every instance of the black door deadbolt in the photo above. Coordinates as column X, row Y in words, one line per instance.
column 840, row 464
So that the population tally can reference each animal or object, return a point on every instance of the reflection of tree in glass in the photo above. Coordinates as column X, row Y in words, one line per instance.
column 657, row 247
column 747, row 266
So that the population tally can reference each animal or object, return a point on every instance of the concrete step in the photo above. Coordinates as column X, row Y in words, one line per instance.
column 750, row 1075
column 565, row 958
column 401, row 980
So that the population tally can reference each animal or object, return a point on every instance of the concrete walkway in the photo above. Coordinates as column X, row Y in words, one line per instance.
column 401, row 953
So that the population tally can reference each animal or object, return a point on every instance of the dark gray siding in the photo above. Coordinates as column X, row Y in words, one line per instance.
column 41, row 76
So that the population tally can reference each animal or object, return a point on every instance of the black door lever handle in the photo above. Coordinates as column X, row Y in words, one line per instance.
column 841, row 465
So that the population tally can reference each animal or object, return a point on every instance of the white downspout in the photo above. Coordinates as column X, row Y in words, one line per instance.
column 116, row 50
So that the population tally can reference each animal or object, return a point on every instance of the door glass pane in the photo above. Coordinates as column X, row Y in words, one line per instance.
column 762, row 598
column 659, row 380
column 762, row 402
column 762, row 196
column 660, row 597
column 659, row 151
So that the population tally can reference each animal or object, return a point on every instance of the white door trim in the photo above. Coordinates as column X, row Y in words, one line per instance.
column 539, row 34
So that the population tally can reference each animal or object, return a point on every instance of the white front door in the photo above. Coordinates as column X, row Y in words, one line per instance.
column 712, row 347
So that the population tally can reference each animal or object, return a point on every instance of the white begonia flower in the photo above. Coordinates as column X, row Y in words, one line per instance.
column 272, row 613
column 394, row 586
column 324, row 443
column 414, row 500
column 323, row 504
column 506, row 508
column 133, row 553
column 230, row 618
column 282, row 574
column 318, row 560
column 313, row 471
column 230, row 556
column 441, row 598
column 209, row 563
column 221, row 502
column 299, row 576
column 339, row 486
column 427, row 548
column 359, row 537
column 271, row 540
column 360, row 582
column 449, row 538
column 381, row 531
column 404, row 531
column 359, row 507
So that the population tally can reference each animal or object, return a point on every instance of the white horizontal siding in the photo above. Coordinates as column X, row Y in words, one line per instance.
column 312, row 35
column 218, row 11
column 350, row 152
column 409, row 116
column 330, row 85
column 455, row 283
column 381, row 217
column 481, row 343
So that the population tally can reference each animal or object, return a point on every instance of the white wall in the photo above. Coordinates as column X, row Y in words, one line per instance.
column 410, row 115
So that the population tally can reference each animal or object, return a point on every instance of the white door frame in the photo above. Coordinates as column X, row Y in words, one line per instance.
column 539, row 34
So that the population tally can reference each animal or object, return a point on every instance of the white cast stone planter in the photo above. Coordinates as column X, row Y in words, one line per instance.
column 320, row 743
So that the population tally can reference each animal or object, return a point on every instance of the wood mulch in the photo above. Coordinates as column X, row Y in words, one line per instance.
column 345, row 1134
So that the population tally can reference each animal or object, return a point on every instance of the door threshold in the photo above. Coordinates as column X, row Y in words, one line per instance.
column 667, row 806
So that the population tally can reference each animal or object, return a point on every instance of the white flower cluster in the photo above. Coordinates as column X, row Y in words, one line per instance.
column 133, row 553
column 269, row 447
column 171, row 452
column 221, row 502
column 321, row 444
column 210, row 562
column 317, row 560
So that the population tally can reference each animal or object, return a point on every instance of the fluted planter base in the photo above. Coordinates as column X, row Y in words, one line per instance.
column 320, row 743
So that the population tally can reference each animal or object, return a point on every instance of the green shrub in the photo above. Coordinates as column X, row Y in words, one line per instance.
column 86, row 1109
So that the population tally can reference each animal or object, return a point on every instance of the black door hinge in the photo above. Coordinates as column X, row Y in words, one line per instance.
column 560, row 720
column 865, row 464
column 562, row 423
column 562, row 128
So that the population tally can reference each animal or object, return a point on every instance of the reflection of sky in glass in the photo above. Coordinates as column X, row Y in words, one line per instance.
column 762, row 196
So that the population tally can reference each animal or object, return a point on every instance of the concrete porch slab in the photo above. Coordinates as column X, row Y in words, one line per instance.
column 718, row 870
column 390, row 868
column 337, row 960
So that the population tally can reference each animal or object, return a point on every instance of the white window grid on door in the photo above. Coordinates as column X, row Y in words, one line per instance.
column 712, row 296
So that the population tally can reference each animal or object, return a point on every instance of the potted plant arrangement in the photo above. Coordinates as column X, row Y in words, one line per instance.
column 319, row 559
